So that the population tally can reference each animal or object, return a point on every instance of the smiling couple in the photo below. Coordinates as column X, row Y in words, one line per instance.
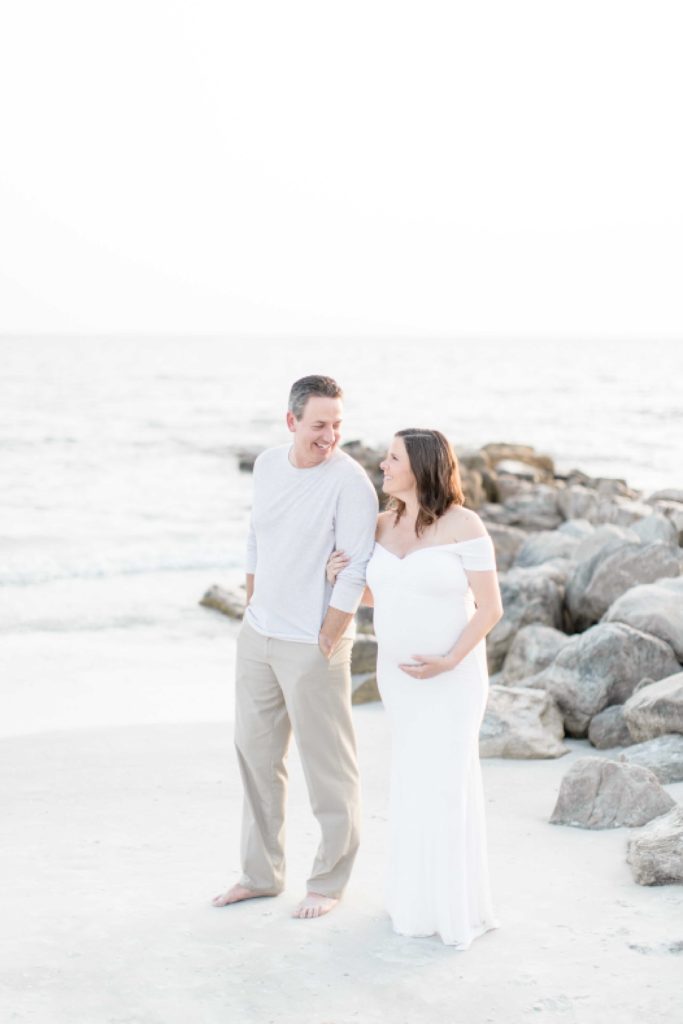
column 317, row 548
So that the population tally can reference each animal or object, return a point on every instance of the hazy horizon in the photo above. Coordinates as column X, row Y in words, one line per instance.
column 404, row 338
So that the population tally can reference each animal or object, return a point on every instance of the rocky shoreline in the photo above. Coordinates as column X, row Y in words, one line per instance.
column 590, row 644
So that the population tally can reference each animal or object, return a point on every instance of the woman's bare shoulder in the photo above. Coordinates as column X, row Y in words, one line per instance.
column 385, row 521
column 463, row 524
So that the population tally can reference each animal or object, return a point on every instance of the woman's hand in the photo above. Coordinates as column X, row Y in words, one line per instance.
column 336, row 562
column 426, row 666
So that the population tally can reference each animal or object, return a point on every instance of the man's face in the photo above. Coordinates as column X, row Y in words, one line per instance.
column 317, row 433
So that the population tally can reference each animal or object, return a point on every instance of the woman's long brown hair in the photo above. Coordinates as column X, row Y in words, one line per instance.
column 435, row 467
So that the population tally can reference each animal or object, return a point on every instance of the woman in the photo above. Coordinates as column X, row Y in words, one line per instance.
column 433, row 583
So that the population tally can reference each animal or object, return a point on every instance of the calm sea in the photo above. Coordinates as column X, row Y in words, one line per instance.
column 120, row 494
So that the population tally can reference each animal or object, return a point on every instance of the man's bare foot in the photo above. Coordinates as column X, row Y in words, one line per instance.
column 236, row 895
column 315, row 905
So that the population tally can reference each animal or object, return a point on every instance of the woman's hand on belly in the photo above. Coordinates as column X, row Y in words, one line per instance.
column 426, row 666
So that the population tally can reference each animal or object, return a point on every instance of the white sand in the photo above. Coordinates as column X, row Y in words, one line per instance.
column 115, row 838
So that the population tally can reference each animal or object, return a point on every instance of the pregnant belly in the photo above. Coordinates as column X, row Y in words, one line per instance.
column 418, row 626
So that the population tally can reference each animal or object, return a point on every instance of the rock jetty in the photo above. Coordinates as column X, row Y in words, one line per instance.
column 590, row 645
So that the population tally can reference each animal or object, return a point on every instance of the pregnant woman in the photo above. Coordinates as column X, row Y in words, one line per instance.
column 432, row 580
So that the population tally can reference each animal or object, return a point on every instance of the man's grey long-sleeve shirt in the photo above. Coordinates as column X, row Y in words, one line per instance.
column 299, row 516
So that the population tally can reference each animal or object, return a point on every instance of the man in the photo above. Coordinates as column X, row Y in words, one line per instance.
column 294, row 649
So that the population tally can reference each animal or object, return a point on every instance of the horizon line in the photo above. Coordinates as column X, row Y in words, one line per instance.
column 335, row 336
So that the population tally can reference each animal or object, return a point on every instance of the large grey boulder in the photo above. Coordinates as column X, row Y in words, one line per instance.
column 656, row 527
column 473, row 458
column 365, row 690
column 493, row 513
column 522, row 470
column 521, row 723
column 489, row 483
column 473, row 487
column 507, row 540
column 604, row 486
column 579, row 528
column 656, row 709
column 535, row 510
column 229, row 602
column 605, row 536
column 600, row 667
column 364, row 654
column 608, row 729
column 655, row 853
column 673, row 510
column 597, row 583
column 529, row 595
column 532, row 649
column 497, row 451
column 663, row 755
column 596, row 793
column 545, row 546
column 668, row 494
column 609, row 486
column 622, row 511
column 246, row 457
column 577, row 502
column 477, row 468
column 365, row 619
column 511, row 486
column 655, row 608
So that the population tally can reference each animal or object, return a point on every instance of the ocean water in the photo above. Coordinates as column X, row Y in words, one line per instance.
column 121, row 500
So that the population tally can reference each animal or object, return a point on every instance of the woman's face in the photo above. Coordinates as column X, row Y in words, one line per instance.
column 398, row 476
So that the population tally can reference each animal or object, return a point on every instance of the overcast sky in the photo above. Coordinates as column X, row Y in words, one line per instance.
column 488, row 169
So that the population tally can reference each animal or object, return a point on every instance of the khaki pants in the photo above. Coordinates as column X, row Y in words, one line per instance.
column 283, row 686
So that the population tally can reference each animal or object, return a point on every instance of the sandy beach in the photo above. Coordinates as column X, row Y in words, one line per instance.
column 115, row 838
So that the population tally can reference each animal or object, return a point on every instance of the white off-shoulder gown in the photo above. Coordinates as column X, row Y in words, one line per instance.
column 437, row 877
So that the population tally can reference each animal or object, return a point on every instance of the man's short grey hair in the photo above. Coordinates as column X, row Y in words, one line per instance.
column 303, row 389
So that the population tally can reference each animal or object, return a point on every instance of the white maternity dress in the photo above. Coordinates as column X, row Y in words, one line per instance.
column 437, row 880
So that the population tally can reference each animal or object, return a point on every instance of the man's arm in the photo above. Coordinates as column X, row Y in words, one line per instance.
column 355, row 523
column 332, row 630
column 250, row 586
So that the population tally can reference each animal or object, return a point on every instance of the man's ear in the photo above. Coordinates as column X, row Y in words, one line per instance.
column 291, row 421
